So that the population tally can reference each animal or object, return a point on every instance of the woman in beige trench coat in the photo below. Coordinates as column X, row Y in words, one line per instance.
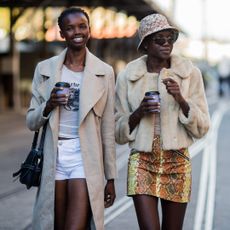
column 83, row 198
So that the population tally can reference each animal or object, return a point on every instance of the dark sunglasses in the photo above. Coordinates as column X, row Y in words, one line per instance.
column 162, row 40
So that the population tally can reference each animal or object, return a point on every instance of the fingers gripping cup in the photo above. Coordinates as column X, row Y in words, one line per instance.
column 155, row 98
column 65, row 88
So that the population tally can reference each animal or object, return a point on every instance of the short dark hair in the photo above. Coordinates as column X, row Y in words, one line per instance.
column 69, row 11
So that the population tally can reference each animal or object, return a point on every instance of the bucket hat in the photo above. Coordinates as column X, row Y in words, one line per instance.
column 151, row 24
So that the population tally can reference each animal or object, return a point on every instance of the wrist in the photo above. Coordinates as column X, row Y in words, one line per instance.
column 48, row 109
column 182, row 102
column 137, row 115
column 184, row 106
column 134, row 119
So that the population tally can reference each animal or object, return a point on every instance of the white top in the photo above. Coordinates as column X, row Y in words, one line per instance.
column 69, row 114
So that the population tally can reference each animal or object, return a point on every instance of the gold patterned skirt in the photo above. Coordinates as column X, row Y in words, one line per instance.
column 162, row 173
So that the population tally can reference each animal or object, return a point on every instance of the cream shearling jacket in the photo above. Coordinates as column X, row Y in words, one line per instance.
column 177, row 130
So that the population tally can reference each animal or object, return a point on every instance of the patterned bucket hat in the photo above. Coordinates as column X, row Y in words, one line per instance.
column 151, row 24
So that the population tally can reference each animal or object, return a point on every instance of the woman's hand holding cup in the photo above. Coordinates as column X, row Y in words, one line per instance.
column 151, row 102
column 59, row 96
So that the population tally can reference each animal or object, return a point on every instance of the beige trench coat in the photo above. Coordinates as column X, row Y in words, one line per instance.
column 96, row 133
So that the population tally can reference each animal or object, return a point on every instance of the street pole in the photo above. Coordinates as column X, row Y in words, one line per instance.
column 15, row 67
column 204, row 30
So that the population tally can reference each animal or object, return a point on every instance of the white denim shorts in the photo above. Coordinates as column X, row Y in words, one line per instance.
column 69, row 160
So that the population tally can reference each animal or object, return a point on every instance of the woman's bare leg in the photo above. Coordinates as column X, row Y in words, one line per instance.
column 173, row 215
column 78, row 207
column 60, row 204
column 147, row 212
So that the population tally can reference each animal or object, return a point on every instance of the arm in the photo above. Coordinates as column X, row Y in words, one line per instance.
column 40, row 108
column 127, row 119
column 174, row 89
column 193, row 112
column 122, row 111
column 34, row 117
column 108, row 141
column 146, row 107
column 54, row 101
column 107, row 131
column 198, row 121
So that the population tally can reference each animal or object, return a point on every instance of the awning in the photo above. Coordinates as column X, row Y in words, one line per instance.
column 138, row 8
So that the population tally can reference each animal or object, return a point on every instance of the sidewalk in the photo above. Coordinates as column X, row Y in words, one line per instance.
column 16, row 201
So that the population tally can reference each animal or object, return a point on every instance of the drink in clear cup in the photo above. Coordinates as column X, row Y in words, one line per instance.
column 155, row 98
column 65, row 86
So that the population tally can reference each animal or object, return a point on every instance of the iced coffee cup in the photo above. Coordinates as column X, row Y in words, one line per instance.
column 65, row 86
column 155, row 98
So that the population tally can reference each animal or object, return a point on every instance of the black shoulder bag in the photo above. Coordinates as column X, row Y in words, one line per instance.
column 31, row 169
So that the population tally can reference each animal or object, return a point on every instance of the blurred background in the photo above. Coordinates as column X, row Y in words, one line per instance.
column 29, row 34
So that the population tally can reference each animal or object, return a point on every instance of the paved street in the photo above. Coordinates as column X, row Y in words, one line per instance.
column 16, row 202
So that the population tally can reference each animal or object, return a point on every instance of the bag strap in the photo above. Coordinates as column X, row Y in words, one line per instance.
column 42, row 139
column 35, row 139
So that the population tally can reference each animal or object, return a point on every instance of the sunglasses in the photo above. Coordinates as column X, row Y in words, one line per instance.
column 162, row 40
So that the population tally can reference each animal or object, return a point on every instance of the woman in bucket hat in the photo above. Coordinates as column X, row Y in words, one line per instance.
column 160, row 132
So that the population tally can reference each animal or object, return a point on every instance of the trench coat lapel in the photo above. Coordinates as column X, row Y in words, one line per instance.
column 52, row 71
column 54, row 118
column 92, row 85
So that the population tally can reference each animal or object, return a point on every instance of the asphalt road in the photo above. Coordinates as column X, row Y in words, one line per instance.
column 16, row 203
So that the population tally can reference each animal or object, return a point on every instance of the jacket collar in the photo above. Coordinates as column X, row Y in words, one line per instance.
column 50, row 69
column 90, row 66
column 179, row 66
